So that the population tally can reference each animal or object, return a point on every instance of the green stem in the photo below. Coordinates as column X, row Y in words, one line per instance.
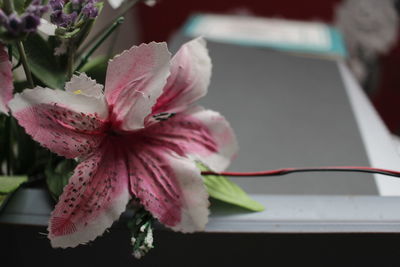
column 24, row 60
column 113, row 41
column 108, row 32
column 10, row 53
column 8, row 148
column 8, row 6
column 123, row 11
column 71, row 60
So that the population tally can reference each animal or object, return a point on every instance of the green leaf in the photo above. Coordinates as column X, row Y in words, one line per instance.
column 44, row 65
column 72, row 34
column 2, row 200
column 3, row 140
column 8, row 184
column 221, row 188
column 58, row 177
column 96, row 68
column 141, row 228
column 26, row 150
column 68, row 8
column 19, row 5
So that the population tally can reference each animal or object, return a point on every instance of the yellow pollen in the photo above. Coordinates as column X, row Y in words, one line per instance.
column 78, row 92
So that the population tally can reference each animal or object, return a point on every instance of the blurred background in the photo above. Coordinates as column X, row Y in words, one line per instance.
column 370, row 30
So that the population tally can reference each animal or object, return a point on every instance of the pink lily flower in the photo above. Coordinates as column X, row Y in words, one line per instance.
column 6, row 80
column 140, row 139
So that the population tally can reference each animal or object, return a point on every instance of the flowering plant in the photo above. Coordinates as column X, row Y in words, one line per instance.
column 137, row 141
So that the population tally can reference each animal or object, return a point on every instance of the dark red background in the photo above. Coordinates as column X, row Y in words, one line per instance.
column 160, row 21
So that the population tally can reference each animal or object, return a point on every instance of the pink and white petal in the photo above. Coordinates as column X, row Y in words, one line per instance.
column 84, row 85
column 170, row 187
column 47, row 27
column 134, row 81
column 189, row 79
column 6, row 80
column 150, row 2
column 95, row 197
column 203, row 134
column 222, row 134
column 67, row 124
column 115, row 3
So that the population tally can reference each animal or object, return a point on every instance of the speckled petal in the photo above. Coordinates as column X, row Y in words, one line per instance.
column 203, row 134
column 170, row 187
column 67, row 124
column 95, row 197
column 6, row 80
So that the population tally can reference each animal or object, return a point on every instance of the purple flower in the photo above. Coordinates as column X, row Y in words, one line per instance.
column 76, row 4
column 26, row 22
column 56, row 4
column 61, row 19
column 57, row 17
column 90, row 10
column 14, row 24
column 80, row 8
column 30, row 22
column 36, row 8
column 70, row 18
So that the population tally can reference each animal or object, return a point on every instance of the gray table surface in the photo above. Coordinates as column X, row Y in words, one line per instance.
column 287, row 111
column 283, row 214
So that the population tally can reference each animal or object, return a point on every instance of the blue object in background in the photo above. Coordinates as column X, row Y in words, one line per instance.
column 295, row 36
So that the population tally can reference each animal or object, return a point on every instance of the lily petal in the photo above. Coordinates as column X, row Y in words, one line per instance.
column 6, row 80
column 67, row 124
column 115, row 3
column 222, row 134
column 170, row 187
column 189, row 79
column 95, row 197
column 150, row 2
column 84, row 85
column 134, row 81
column 47, row 27
column 203, row 134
